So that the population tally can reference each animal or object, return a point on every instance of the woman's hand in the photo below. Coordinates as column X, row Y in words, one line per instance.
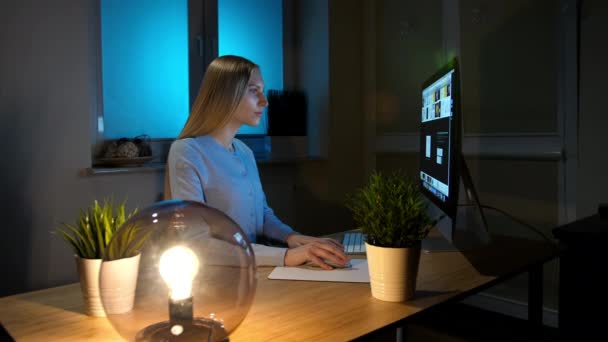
column 318, row 251
column 297, row 240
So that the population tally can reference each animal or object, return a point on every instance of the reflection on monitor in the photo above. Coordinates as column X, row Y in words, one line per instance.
column 438, row 132
column 444, row 176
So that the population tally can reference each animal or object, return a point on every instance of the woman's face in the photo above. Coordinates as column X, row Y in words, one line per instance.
column 250, row 109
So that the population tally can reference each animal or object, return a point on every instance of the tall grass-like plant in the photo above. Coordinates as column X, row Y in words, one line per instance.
column 391, row 211
column 96, row 226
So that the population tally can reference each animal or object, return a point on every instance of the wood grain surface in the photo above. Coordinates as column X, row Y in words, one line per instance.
column 284, row 310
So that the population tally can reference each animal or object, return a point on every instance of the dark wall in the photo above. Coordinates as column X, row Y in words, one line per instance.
column 592, row 173
column 47, row 104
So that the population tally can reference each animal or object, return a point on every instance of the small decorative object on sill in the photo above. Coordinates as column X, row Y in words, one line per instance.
column 287, row 110
column 89, row 238
column 125, row 151
column 197, row 275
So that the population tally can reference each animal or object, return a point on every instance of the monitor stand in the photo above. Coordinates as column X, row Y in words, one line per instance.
column 469, row 229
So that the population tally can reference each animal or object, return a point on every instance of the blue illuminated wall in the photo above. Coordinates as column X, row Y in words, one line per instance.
column 144, row 67
column 254, row 30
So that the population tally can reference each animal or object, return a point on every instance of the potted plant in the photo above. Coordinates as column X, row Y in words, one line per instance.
column 88, row 237
column 390, row 210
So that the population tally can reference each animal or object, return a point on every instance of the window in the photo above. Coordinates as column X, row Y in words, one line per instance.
column 248, row 29
column 149, row 74
column 144, row 57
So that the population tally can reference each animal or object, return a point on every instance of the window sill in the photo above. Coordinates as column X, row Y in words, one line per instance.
column 160, row 167
column 283, row 150
column 112, row 170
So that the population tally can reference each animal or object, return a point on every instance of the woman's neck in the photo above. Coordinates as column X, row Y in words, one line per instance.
column 224, row 136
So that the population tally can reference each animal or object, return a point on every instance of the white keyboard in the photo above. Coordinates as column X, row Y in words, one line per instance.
column 354, row 243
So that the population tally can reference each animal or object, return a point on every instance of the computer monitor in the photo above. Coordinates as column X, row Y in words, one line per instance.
column 444, row 176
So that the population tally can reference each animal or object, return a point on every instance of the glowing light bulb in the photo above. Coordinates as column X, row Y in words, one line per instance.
column 178, row 267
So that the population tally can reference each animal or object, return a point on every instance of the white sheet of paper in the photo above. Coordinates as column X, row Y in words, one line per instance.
column 358, row 273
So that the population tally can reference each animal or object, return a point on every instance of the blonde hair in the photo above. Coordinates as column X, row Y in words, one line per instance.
column 221, row 91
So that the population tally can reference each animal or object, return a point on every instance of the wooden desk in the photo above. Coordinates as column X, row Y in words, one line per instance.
column 289, row 310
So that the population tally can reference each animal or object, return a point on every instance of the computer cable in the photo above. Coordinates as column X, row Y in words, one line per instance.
column 525, row 224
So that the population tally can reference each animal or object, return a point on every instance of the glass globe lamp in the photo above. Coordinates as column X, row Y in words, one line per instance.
column 195, row 279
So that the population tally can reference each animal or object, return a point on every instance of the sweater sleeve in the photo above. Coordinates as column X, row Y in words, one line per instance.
column 185, row 177
column 268, row 256
column 273, row 227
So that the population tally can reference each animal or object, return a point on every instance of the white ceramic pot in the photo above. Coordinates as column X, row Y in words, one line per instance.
column 393, row 272
column 117, row 284
column 88, row 271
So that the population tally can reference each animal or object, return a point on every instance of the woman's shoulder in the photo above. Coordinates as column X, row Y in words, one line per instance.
column 188, row 145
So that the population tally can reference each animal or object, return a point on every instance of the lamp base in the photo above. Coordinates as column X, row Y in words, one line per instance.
column 198, row 329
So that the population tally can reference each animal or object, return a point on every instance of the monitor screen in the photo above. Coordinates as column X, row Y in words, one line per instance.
column 445, row 179
column 439, row 144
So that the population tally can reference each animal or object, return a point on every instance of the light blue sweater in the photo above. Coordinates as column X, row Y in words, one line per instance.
column 202, row 170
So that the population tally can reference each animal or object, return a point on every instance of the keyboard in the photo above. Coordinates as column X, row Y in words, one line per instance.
column 354, row 243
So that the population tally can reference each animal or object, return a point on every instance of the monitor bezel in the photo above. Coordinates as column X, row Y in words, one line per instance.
column 449, row 207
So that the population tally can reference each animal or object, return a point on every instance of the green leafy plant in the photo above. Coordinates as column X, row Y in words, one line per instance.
column 96, row 226
column 391, row 211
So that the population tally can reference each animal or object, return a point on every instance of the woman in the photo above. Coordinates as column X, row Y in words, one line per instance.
column 207, row 164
